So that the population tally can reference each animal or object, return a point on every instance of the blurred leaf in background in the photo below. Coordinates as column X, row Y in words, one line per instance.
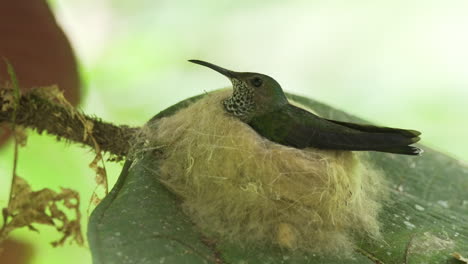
column 393, row 62
column 37, row 48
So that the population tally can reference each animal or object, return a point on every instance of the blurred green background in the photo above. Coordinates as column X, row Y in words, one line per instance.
column 393, row 62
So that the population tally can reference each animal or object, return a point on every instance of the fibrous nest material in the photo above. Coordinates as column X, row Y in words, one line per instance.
column 238, row 186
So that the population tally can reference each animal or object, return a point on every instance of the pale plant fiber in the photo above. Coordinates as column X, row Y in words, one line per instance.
column 238, row 186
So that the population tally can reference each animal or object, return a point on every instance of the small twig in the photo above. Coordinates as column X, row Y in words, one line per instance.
column 408, row 248
column 212, row 246
column 16, row 99
column 369, row 256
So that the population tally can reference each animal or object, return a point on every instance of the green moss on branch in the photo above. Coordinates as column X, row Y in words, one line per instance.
column 44, row 111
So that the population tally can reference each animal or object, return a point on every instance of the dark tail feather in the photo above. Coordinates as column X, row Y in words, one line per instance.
column 376, row 129
column 408, row 137
column 406, row 150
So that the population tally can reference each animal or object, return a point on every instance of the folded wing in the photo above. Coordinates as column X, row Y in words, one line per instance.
column 293, row 126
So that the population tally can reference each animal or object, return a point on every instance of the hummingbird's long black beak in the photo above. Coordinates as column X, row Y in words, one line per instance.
column 225, row 72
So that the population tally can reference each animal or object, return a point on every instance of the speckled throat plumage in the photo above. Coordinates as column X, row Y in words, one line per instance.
column 241, row 104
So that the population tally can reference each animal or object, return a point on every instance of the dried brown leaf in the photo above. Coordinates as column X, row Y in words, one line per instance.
column 100, row 179
column 29, row 207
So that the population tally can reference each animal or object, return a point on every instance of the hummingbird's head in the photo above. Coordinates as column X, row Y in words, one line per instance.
column 253, row 93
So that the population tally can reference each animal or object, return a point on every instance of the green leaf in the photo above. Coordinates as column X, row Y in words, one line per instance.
column 424, row 221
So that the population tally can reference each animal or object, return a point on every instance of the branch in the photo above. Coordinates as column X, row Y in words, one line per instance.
column 44, row 109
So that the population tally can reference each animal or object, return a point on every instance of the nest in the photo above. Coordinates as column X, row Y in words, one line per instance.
column 238, row 186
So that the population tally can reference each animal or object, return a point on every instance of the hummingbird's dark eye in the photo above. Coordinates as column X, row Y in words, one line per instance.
column 257, row 81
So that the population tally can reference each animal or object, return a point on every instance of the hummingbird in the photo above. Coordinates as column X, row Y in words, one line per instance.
column 259, row 101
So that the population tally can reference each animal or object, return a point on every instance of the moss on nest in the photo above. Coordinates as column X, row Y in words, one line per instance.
column 239, row 186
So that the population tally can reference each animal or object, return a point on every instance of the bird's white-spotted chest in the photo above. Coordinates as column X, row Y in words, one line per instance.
column 241, row 104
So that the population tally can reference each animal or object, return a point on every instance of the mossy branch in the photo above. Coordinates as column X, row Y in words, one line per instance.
column 42, row 110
